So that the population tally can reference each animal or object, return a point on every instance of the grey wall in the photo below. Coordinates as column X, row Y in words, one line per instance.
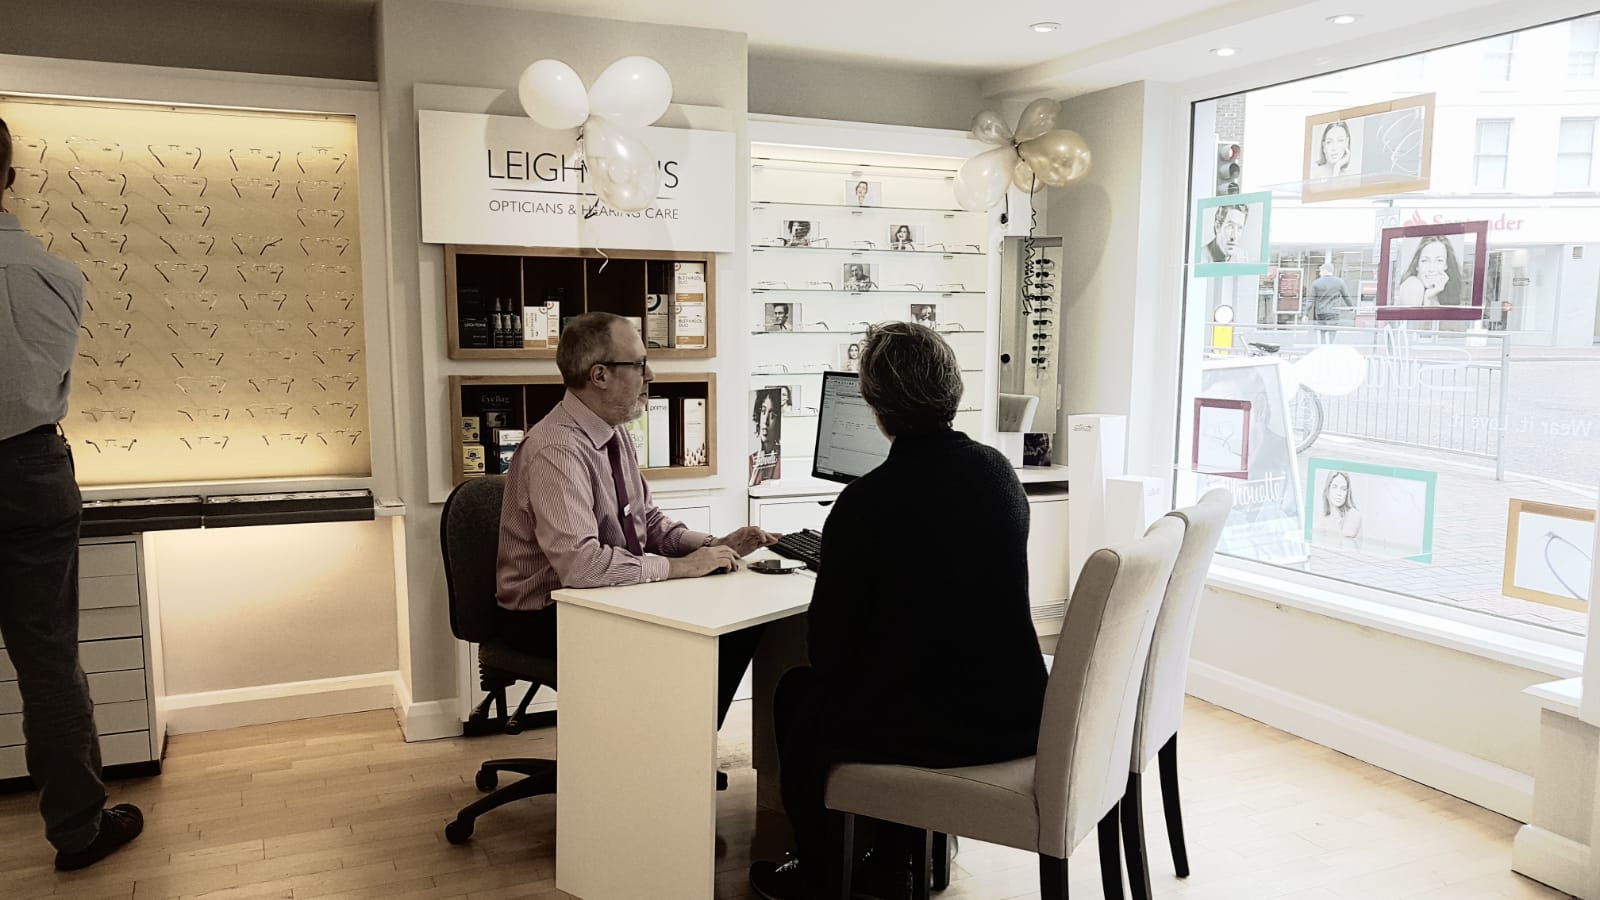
column 439, row 43
column 314, row 38
column 829, row 90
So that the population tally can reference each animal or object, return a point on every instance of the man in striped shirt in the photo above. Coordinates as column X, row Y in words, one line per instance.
column 577, row 512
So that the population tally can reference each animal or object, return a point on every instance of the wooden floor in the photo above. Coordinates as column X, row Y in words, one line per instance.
column 342, row 807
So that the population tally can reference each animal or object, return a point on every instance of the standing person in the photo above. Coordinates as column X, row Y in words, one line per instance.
column 577, row 512
column 41, row 307
column 1329, row 298
column 886, row 641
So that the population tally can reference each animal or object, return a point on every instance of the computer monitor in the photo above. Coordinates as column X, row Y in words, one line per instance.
column 849, row 444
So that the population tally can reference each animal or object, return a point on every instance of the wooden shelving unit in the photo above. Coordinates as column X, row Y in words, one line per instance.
column 527, row 398
column 615, row 281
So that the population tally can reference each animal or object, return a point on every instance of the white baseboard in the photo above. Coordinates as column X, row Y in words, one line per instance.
column 265, row 704
column 428, row 720
column 1492, row 786
column 1550, row 859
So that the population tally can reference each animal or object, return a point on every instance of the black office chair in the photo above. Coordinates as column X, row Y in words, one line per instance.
column 469, row 537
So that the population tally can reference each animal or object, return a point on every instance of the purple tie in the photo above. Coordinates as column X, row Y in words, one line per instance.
column 614, row 450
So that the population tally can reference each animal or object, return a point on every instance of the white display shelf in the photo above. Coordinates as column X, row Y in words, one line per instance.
column 863, row 251
column 946, row 211
column 856, row 331
column 778, row 290
column 819, row 167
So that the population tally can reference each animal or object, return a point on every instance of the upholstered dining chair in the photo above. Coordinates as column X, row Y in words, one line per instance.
column 1155, row 733
column 1047, row 803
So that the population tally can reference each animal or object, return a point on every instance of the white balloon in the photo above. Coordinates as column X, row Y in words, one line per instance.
column 633, row 92
column 552, row 94
column 1332, row 370
column 621, row 169
column 982, row 180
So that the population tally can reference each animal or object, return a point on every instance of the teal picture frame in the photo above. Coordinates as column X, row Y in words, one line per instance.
column 1430, row 481
column 1257, row 238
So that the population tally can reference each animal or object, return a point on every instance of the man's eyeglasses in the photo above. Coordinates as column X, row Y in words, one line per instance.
column 641, row 365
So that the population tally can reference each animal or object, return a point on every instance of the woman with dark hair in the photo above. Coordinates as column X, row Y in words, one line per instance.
column 894, row 649
column 1340, row 521
column 1334, row 153
column 863, row 190
column 901, row 239
column 766, row 430
column 1434, row 276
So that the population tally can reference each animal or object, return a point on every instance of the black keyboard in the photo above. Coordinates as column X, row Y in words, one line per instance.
column 804, row 545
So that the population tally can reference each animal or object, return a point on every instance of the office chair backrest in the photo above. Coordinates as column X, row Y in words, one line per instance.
column 1161, row 697
column 469, row 537
column 1086, row 734
column 1014, row 412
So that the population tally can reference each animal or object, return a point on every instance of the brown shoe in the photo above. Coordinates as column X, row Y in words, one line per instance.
column 118, row 825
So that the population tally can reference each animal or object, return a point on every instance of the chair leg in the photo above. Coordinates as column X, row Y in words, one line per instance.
column 1052, row 878
column 841, row 855
column 459, row 831
column 922, row 866
column 1110, row 841
column 942, row 845
column 1167, row 760
column 1133, row 839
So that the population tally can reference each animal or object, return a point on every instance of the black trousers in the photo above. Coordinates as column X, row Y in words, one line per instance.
column 40, row 511
column 534, row 632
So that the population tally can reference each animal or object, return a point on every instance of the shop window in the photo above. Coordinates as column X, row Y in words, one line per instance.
column 1575, row 155
column 1583, row 49
column 1493, row 153
column 1498, row 54
column 1392, row 376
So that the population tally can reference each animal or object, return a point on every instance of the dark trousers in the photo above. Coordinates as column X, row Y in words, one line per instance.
column 534, row 632
column 40, row 509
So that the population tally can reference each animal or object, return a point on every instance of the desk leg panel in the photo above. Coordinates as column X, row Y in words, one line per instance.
column 783, row 647
column 636, row 799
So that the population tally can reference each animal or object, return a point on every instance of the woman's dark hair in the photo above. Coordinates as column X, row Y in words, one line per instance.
column 1450, row 294
column 910, row 378
column 1349, row 494
column 775, row 430
column 5, row 152
column 1322, row 155
column 905, row 228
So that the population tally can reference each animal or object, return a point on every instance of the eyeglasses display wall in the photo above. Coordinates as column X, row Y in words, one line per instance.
column 837, row 246
column 223, row 330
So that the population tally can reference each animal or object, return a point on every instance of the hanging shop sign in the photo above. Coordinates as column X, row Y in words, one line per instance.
column 504, row 180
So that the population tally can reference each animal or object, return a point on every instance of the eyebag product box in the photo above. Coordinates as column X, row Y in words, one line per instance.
column 689, row 305
column 657, row 322
column 469, row 430
column 535, row 328
column 473, row 461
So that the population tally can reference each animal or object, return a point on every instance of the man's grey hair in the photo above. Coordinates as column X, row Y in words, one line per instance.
column 910, row 378
column 585, row 343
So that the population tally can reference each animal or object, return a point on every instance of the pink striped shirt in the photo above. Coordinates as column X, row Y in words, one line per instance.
column 559, row 525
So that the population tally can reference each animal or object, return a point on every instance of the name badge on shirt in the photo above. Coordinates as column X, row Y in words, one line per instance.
column 628, row 510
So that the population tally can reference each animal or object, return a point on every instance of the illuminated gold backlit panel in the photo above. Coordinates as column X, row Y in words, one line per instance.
column 224, row 337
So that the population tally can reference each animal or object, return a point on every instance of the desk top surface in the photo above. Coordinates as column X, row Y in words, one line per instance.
column 712, row 606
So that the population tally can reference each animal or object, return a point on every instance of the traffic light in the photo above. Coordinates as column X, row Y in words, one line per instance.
column 1230, row 156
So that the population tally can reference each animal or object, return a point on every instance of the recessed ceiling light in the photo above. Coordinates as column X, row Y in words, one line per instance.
column 1045, row 27
column 1343, row 19
column 1224, row 51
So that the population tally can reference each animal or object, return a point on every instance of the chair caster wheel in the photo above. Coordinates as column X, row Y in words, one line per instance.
column 513, row 725
column 458, row 832
column 486, row 782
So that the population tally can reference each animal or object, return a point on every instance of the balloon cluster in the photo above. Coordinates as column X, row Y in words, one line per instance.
column 1037, row 154
column 631, row 93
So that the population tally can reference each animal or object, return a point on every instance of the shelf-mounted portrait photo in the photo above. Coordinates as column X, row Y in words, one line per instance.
column 850, row 357
column 925, row 314
column 1380, row 148
column 860, row 276
column 1231, row 235
column 859, row 192
column 1549, row 554
column 1378, row 511
column 904, row 237
column 782, row 317
column 1221, row 437
column 799, row 232
column 1432, row 273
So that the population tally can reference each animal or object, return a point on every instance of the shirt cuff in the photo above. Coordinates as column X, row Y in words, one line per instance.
column 654, row 568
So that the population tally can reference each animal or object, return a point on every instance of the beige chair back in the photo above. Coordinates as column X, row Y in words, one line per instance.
column 1161, row 698
column 1086, row 734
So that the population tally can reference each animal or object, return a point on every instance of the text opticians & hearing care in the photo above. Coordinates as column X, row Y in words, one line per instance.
column 534, row 207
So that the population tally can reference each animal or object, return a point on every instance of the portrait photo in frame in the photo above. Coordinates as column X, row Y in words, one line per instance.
column 1379, row 148
column 1379, row 511
column 1231, row 234
column 1548, row 554
column 1432, row 273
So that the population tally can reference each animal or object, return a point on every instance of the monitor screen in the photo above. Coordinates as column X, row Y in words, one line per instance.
column 849, row 444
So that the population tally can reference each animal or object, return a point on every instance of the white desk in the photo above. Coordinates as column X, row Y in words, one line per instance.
column 637, row 806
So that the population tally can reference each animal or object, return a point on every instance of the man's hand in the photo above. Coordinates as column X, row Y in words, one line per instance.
column 702, row 562
column 747, row 540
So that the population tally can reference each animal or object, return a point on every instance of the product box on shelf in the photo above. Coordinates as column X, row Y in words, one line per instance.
column 689, row 413
column 473, row 461
column 689, row 305
column 506, row 437
column 498, row 408
column 659, row 438
column 535, row 328
column 469, row 430
column 657, row 322
column 639, row 431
